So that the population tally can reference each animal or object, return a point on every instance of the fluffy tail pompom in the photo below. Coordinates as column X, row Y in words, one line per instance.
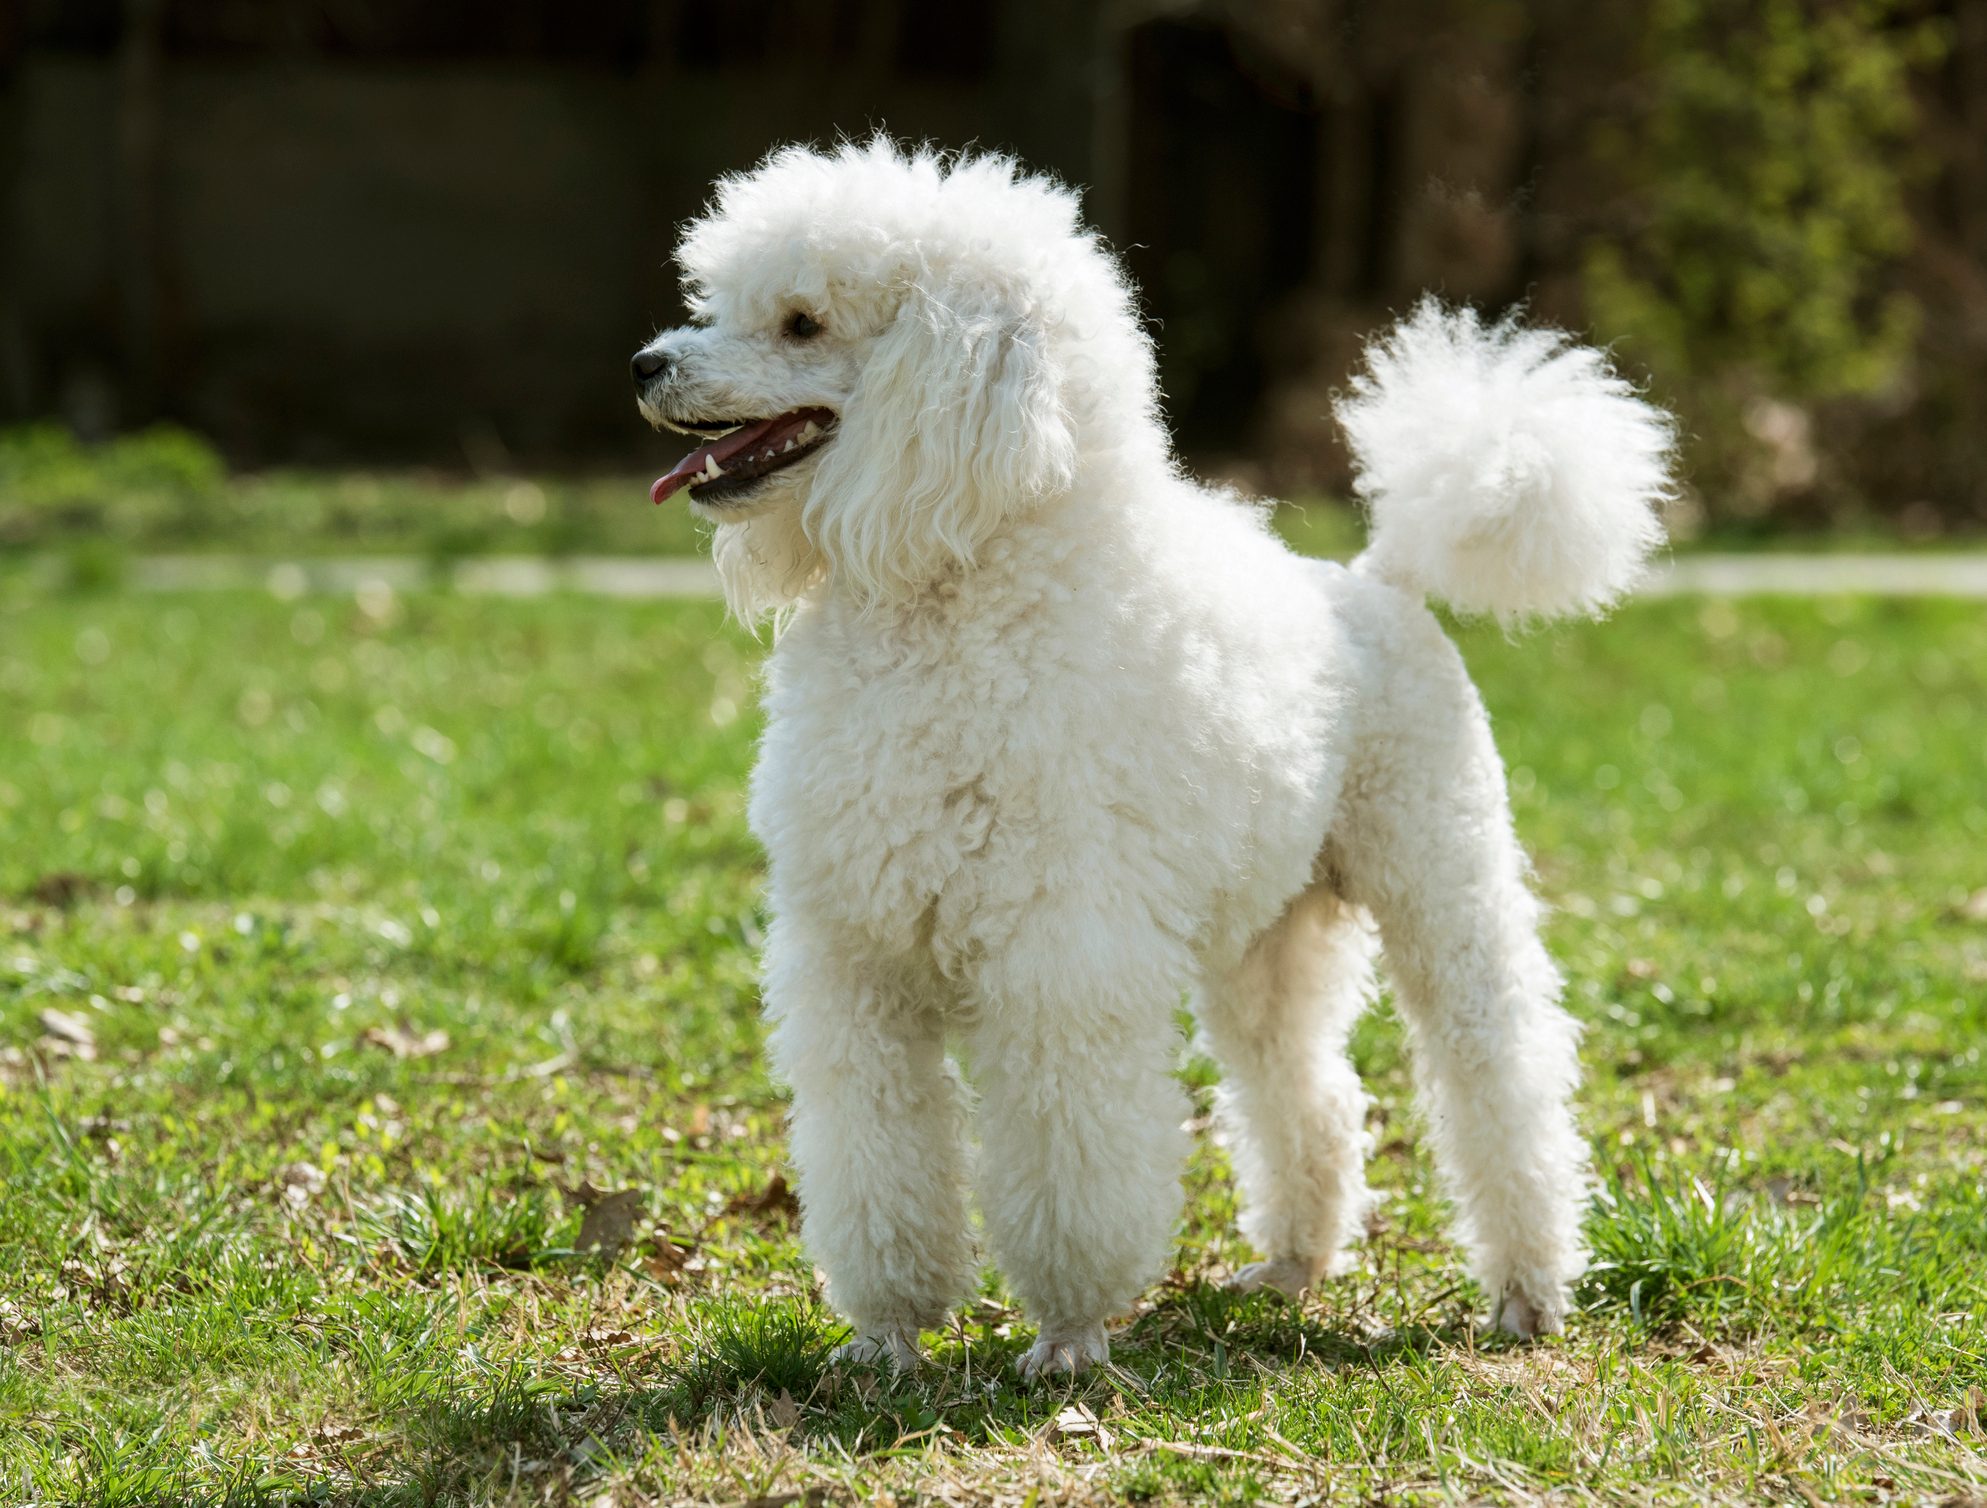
column 1505, row 471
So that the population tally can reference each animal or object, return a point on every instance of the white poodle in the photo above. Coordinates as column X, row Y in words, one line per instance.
column 1053, row 732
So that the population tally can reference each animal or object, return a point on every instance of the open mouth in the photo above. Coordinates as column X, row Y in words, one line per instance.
column 742, row 452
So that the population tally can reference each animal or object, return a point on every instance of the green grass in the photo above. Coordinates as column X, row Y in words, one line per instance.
column 294, row 512
column 440, row 518
column 339, row 942
column 164, row 490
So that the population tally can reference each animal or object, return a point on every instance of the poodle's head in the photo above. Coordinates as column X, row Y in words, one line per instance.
column 891, row 355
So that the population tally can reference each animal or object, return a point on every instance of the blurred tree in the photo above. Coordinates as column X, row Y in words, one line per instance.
column 372, row 230
column 1767, row 170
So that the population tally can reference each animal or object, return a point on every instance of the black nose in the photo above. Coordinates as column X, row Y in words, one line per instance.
column 649, row 364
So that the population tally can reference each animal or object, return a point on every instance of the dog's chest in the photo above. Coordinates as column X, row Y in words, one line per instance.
column 882, row 773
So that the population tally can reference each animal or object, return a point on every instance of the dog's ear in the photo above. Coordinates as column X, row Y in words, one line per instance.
column 956, row 422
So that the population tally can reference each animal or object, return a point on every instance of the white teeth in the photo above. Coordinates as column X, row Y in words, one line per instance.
column 785, row 448
column 701, row 431
column 809, row 432
column 712, row 471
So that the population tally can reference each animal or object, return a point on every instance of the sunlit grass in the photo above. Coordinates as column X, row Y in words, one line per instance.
column 351, row 952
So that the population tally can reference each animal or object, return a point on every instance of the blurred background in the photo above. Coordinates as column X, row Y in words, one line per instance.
column 368, row 271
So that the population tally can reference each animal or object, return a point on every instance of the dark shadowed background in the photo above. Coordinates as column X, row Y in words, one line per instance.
column 369, row 232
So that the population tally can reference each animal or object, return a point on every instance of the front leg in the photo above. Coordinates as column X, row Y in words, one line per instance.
column 1081, row 1145
column 877, row 1141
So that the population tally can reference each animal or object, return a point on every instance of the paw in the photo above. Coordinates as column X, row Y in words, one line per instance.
column 892, row 1346
column 1289, row 1276
column 1517, row 1315
column 1065, row 1352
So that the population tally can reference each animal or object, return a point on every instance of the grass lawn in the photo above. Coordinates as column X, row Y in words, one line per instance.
column 166, row 491
column 382, row 1118
column 86, row 508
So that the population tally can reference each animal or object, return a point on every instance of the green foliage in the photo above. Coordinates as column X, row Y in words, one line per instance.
column 151, row 480
column 739, row 1344
column 436, row 1229
column 1768, row 168
column 1772, row 168
column 1674, row 1249
column 166, row 490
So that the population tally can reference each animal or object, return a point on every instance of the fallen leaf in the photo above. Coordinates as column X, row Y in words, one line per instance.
column 403, row 1043
column 16, row 1324
column 61, row 889
column 1953, row 1422
column 591, row 1341
column 776, row 1198
column 1786, row 1191
column 330, row 1435
column 301, row 1181
column 67, row 1036
column 665, row 1261
column 589, row 1450
column 783, row 1412
column 1077, row 1422
column 107, row 1282
column 609, row 1222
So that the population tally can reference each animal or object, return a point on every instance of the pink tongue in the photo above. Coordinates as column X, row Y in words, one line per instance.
column 751, row 440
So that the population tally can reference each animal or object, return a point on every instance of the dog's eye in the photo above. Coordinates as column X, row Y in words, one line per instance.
column 801, row 325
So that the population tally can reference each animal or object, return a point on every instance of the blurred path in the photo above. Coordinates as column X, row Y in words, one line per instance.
column 686, row 576
column 1820, row 576
column 482, row 576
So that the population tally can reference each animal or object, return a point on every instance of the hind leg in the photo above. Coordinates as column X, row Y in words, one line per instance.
column 1496, row 1065
column 1290, row 1105
column 1495, row 1056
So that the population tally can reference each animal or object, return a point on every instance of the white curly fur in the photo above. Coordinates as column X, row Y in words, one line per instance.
column 1505, row 470
column 1053, row 732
